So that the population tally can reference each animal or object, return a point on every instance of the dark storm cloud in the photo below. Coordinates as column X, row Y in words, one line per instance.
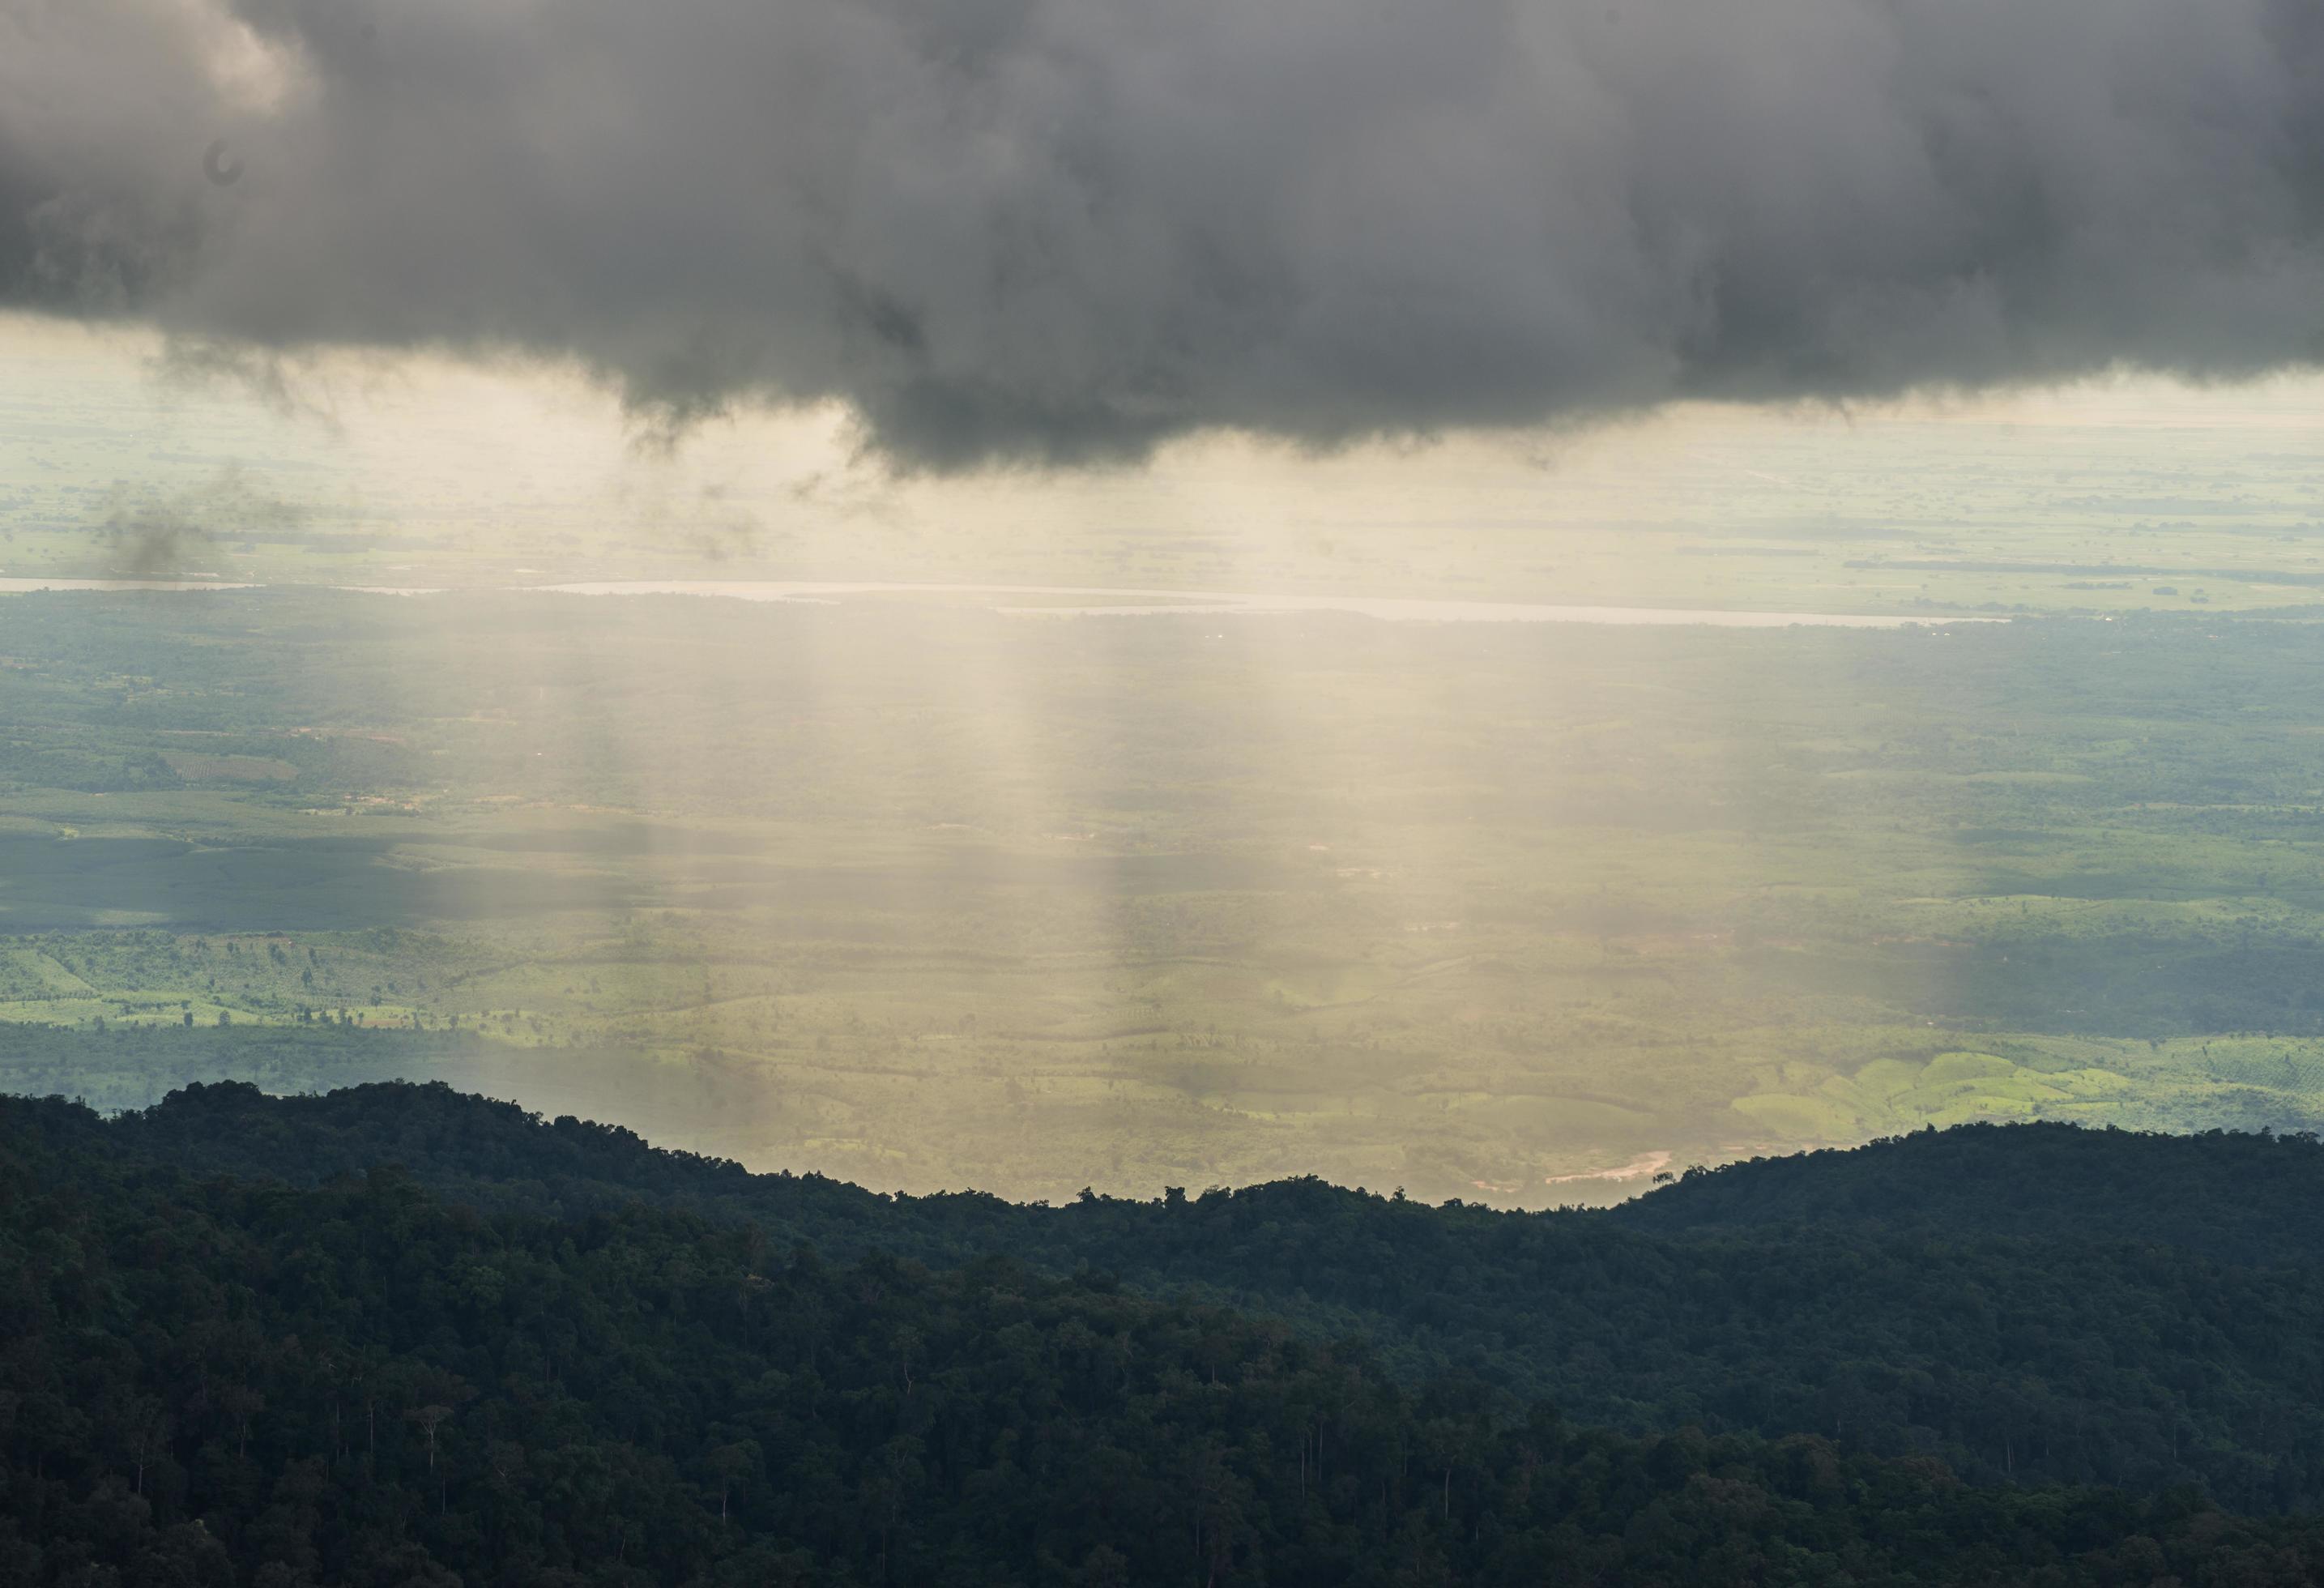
column 1061, row 229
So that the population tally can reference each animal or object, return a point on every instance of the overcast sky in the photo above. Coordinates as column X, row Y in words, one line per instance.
column 1062, row 230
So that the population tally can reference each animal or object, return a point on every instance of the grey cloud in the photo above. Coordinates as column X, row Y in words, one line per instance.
column 155, row 533
column 1064, row 230
column 263, row 376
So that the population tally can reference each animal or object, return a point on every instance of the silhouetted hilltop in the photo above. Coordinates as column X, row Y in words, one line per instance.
column 210, row 1381
column 2022, row 1302
column 2241, row 1198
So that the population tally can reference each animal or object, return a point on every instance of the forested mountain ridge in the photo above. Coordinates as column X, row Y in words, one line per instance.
column 2022, row 1330
column 216, row 1381
column 2249, row 1198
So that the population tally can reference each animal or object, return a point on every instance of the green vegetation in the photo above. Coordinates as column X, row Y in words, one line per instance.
column 925, row 896
column 2024, row 1303
column 218, row 1380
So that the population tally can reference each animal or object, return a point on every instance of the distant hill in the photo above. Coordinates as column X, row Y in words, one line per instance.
column 2240, row 1198
column 2023, row 1302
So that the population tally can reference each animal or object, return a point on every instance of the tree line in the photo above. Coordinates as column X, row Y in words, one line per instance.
column 213, row 1381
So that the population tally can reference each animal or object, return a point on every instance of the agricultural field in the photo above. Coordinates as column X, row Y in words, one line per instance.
column 924, row 895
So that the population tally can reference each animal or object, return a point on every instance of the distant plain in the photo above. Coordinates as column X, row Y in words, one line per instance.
column 922, row 895
column 982, row 887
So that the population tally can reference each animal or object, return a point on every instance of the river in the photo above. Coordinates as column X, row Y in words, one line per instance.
column 1099, row 601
